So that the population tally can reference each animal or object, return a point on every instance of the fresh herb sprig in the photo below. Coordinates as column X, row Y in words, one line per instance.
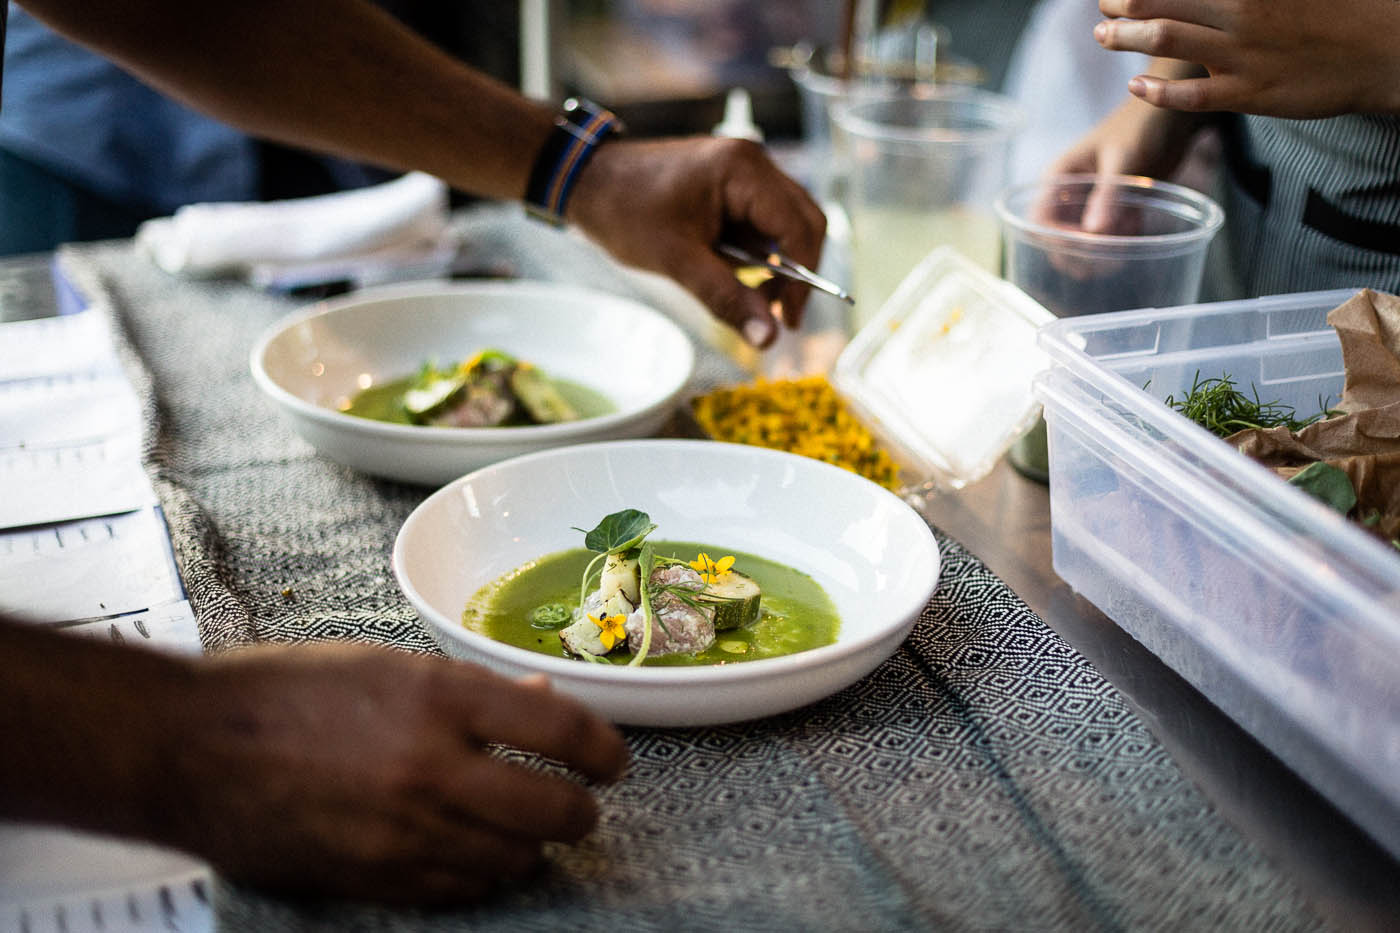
column 685, row 594
column 648, row 614
column 1220, row 407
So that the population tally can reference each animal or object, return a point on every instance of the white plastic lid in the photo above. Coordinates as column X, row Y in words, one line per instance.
column 942, row 374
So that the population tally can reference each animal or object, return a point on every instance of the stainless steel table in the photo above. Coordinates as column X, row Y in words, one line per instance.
column 1005, row 520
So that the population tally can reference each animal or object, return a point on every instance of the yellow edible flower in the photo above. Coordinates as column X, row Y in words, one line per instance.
column 465, row 367
column 804, row 416
column 712, row 571
column 613, row 631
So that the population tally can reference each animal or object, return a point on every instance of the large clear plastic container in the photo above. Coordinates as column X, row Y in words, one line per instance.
column 1278, row 609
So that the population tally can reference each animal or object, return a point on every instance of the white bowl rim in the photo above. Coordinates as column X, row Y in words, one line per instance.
column 453, row 436
column 739, row 671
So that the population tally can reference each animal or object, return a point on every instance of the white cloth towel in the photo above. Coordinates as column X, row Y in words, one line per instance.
column 236, row 238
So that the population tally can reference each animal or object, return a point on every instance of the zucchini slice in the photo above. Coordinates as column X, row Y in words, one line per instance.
column 736, row 600
column 540, row 397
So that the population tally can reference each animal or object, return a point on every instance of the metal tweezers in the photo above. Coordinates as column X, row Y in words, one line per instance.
column 779, row 264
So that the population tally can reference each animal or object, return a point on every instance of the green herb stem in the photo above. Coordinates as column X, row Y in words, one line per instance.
column 1221, row 408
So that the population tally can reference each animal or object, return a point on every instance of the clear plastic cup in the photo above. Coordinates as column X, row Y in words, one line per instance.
column 923, row 170
column 1144, row 246
column 818, row 94
column 908, row 62
column 1086, row 244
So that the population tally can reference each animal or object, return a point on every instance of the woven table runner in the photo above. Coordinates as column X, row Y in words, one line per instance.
column 986, row 777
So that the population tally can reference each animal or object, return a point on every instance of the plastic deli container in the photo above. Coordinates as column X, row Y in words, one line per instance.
column 942, row 374
column 1278, row 609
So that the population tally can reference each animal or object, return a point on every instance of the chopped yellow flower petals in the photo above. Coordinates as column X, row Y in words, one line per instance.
column 802, row 416
column 712, row 571
column 613, row 631
column 465, row 367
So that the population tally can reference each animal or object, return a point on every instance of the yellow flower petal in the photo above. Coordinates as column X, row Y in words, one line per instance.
column 612, row 629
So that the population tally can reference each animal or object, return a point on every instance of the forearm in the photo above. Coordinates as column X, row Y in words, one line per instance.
column 336, row 75
column 1136, row 137
column 80, row 722
column 343, row 77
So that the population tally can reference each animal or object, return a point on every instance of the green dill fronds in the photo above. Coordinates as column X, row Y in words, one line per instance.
column 1221, row 408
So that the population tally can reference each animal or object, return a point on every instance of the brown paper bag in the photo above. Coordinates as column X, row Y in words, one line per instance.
column 1364, row 439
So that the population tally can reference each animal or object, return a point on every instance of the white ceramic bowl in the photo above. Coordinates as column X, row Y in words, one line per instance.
column 872, row 553
column 313, row 360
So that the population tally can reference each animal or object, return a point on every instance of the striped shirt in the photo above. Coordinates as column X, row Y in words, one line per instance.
column 1311, row 204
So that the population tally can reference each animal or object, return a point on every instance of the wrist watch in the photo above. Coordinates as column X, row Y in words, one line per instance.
column 580, row 127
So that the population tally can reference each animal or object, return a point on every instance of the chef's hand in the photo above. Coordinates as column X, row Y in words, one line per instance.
column 1283, row 58
column 366, row 773
column 662, row 205
column 334, row 770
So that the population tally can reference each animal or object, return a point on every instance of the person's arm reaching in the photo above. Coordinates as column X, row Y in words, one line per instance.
column 1136, row 138
column 349, row 771
column 344, row 77
column 1282, row 58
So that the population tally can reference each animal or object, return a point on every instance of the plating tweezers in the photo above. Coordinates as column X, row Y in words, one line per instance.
column 779, row 264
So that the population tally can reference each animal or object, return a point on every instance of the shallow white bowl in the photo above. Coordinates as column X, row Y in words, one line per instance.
column 312, row 361
column 872, row 553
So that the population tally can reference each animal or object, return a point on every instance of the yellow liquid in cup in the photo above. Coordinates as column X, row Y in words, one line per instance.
column 888, row 242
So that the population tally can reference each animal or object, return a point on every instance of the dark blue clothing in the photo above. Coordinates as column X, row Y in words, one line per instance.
column 83, row 119
column 88, row 152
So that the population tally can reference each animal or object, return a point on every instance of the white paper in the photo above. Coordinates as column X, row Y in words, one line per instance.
column 89, row 570
column 70, row 424
column 84, row 549
column 52, row 346
column 168, row 627
column 55, row 880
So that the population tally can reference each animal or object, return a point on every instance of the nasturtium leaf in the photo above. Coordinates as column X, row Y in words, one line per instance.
column 1328, row 483
column 620, row 531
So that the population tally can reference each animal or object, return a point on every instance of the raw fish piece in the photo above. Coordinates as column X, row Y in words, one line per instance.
column 677, row 628
column 484, row 402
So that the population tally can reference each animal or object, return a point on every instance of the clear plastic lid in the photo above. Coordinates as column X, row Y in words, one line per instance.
column 942, row 374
